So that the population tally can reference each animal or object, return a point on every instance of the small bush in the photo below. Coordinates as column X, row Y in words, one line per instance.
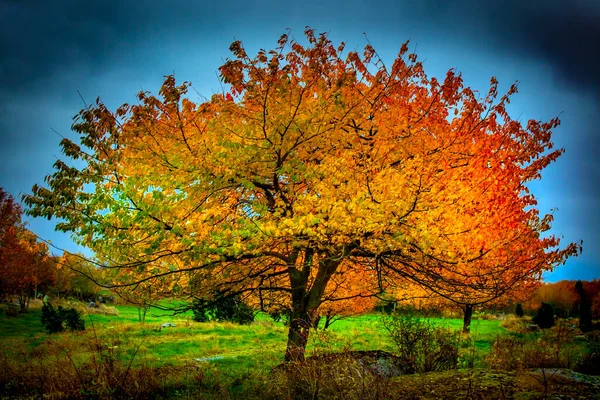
column 201, row 308
column 519, row 310
column 544, row 317
column 52, row 319
column 422, row 346
column 59, row 319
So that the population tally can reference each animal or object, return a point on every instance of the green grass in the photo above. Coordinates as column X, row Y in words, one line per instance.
column 259, row 345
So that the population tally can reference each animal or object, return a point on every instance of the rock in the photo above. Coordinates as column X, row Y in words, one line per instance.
column 168, row 325
column 377, row 362
column 92, row 305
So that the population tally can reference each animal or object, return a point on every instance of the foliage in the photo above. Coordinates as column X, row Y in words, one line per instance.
column 59, row 319
column 564, row 297
column 313, row 164
column 544, row 316
column 519, row 310
column 420, row 345
column 223, row 308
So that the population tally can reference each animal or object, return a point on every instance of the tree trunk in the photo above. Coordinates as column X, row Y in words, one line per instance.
column 300, row 323
column 305, row 300
column 316, row 321
column 23, row 302
column 467, row 318
column 328, row 321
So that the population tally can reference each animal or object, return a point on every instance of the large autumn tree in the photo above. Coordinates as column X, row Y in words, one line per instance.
column 312, row 162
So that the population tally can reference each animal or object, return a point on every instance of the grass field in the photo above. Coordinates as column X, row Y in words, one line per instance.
column 213, row 359
column 226, row 344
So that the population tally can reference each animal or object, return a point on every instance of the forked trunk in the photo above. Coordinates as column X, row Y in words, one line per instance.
column 467, row 318
column 306, row 298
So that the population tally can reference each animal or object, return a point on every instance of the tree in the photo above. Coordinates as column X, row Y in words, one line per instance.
column 561, row 295
column 519, row 310
column 585, row 308
column 76, row 277
column 544, row 316
column 25, row 264
column 308, row 164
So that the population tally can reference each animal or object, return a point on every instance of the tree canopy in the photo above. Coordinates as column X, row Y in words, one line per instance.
column 312, row 162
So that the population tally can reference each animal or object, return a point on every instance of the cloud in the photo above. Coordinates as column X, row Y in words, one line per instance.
column 563, row 35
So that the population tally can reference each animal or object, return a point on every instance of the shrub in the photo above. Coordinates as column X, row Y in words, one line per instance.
column 72, row 319
column 57, row 320
column 544, row 317
column 519, row 310
column 201, row 308
column 420, row 345
column 223, row 308
column 551, row 348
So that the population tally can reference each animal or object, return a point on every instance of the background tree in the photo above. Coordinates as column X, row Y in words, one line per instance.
column 25, row 264
column 77, row 277
column 310, row 163
column 585, row 308
column 519, row 310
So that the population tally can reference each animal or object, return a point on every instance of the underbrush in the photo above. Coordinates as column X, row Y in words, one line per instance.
column 558, row 347
column 61, row 367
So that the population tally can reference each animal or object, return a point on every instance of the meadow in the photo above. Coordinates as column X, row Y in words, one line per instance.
column 119, row 357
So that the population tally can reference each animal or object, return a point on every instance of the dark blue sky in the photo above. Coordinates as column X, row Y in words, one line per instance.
column 50, row 51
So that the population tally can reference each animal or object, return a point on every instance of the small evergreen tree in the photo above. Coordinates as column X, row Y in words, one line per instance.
column 72, row 319
column 223, row 308
column 585, row 308
column 201, row 309
column 51, row 318
column 58, row 319
column 519, row 310
column 544, row 317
